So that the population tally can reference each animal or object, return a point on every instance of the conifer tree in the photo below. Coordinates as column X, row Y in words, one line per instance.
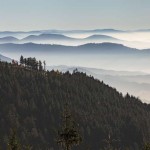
column 108, row 143
column 25, row 62
column 13, row 142
column 40, row 66
column 69, row 135
column 21, row 60
column 44, row 65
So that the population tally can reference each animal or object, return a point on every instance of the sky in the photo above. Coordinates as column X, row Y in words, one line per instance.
column 25, row 15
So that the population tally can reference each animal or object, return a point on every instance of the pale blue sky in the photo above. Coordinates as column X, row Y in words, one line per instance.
column 74, row 14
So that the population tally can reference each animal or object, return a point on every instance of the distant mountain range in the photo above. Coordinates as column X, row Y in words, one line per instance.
column 38, row 32
column 12, row 33
column 8, row 39
column 136, row 83
column 23, row 34
column 106, row 48
column 56, row 38
column 46, row 37
column 78, row 37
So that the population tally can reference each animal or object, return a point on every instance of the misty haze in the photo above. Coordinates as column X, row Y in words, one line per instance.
column 75, row 75
column 101, row 49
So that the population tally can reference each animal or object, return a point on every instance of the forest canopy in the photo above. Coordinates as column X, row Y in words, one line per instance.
column 32, row 103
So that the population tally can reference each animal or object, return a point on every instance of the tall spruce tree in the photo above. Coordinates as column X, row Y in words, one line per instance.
column 44, row 62
column 69, row 135
column 21, row 60
column 40, row 66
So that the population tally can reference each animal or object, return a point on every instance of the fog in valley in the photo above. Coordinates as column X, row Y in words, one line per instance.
column 133, row 61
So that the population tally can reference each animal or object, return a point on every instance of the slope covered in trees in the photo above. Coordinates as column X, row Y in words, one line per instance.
column 32, row 103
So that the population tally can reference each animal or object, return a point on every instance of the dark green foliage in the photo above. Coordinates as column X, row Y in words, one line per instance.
column 28, row 147
column 13, row 142
column 69, row 135
column 22, row 60
column 147, row 146
column 40, row 66
column 32, row 102
column 32, row 63
column 109, row 143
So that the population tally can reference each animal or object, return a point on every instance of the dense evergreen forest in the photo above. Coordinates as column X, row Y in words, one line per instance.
column 32, row 102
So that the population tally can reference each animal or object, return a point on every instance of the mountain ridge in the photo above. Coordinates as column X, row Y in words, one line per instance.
column 47, row 37
column 135, row 83
column 102, row 47
column 35, row 100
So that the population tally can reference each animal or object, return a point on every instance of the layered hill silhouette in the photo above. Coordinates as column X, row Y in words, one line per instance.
column 107, row 48
column 63, row 37
column 68, row 39
column 99, row 31
column 46, row 37
column 97, row 37
column 94, row 31
column 33, row 101
column 8, row 39
column 55, row 38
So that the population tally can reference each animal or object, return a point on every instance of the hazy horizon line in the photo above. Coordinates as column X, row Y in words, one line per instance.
column 90, row 29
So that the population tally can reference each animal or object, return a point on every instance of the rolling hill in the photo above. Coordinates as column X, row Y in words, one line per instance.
column 100, row 37
column 33, row 101
column 42, row 37
column 8, row 39
column 135, row 83
column 17, row 33
column 88, row 48
column 58, row 39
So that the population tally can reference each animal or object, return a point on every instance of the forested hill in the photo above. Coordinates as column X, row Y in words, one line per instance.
column 32, row 102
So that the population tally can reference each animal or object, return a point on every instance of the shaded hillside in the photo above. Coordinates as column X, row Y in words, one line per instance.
column 135, row 83
column 46, row 37
column 32, row 102
column 103, row 37
column 104, row 48
column 8, row 39
column 11, row 33
column 58, row 38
